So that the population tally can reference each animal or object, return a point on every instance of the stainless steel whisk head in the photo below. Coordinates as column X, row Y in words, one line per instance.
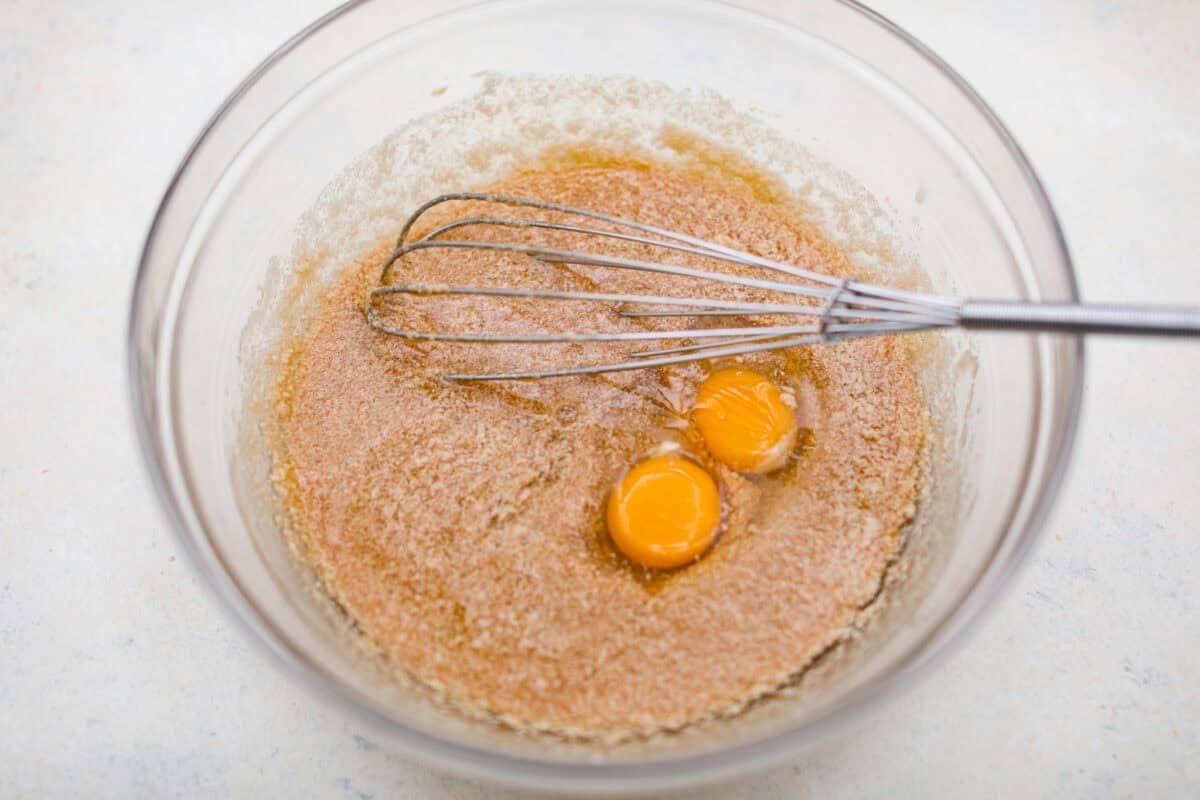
column 836, row 309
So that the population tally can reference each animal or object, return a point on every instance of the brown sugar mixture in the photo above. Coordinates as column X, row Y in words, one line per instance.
column 462, row 526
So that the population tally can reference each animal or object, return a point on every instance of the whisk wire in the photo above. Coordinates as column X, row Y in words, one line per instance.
column 847, row 309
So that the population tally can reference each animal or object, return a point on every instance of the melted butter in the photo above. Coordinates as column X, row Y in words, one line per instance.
column 665, row 400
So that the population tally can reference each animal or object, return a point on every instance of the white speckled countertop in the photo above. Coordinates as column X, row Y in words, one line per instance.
column 121, row 677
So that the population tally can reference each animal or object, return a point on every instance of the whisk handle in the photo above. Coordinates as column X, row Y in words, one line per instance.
column 1075, row 318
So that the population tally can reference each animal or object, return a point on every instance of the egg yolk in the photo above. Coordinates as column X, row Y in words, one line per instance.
column 664, row 512
column 744, row 420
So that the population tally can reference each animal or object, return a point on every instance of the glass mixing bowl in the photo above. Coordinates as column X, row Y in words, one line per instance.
column 839, row 80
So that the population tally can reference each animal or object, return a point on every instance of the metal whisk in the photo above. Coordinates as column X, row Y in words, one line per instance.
column 843, row 308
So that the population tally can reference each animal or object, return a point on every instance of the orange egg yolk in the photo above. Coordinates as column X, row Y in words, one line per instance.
column 744, row 420
column 664, row 512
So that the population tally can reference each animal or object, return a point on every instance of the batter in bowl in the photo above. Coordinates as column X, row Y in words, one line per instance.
column 462, row 526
